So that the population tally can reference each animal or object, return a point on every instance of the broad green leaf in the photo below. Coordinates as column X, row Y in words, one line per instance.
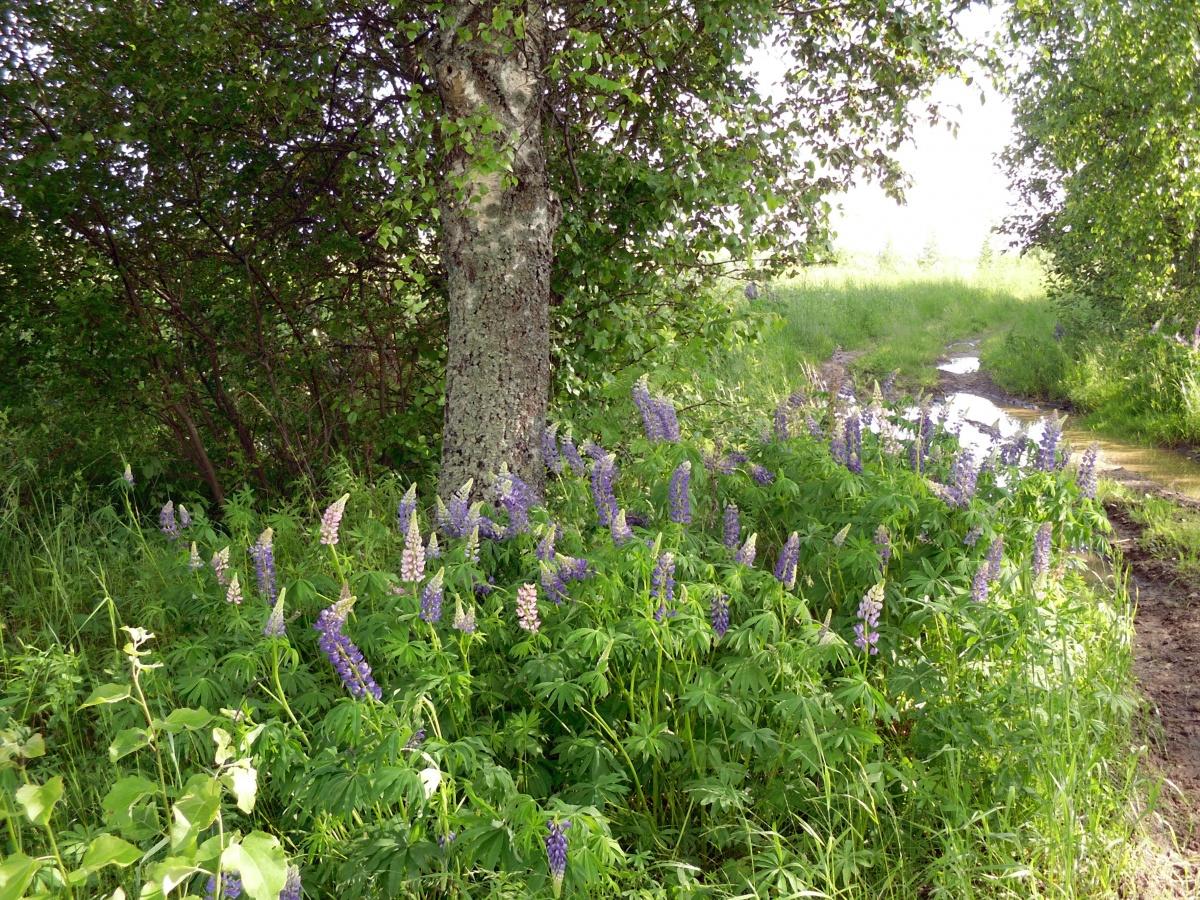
column 260, row 862
column 16, row 872
column 195, row 810
column 121, row 798
column 242, row 781
column 107, row 693
column 168, row 875
column 109, row 850
column 185, row 720
column 38, row 801
column 128, row 741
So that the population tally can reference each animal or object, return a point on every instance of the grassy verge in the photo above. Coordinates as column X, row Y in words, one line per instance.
column 899, row 321
column 1169, row 532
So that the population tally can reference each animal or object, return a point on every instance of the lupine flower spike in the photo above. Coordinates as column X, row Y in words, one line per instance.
column 979, row 586
column 464, row 620
column 291, row 887
column 1086, row 476
column 720, row 615
column 432, row 550
column 662, row 584
column 275, row 626
column 995, row 555
column 220, row 564
column 195, row 563
column 127, row 475
column 603, row 473
column 680, row 499
column 406, row 511
column 884, row 543
column 527, row 611
column 1041, row 550
column 621, row 532
column 556, row 851
column 166, row 520
column 865, row 636
column 749, row 550
column 431, row 599
column 550, row 457
column 731, row 526
column 234, row 594
column 412, row 559
column 331, row 521
column 785, row 566
column 231, row 887
column 185, row 517
column 347, row 660
column 840, row 537
column 263, row 554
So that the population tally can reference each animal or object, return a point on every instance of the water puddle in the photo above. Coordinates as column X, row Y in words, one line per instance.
column 980, row 420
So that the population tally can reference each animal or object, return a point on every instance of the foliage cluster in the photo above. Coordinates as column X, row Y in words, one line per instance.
column 220, row 221
column 980, row 751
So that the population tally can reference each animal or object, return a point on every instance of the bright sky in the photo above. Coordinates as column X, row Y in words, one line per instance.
column 958, row 193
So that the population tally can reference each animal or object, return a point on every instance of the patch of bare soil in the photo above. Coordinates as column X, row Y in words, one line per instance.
column 835, row 369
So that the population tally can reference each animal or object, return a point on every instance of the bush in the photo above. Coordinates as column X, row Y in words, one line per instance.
column 837, row 714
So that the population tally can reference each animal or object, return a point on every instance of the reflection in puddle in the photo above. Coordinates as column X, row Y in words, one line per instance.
column 961, row 365
column 976, row 416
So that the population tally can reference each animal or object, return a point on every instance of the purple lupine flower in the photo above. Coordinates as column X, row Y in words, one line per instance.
column 837, row 440
column 668, row 419
column 781, row 423
column 571, row 454
column 651, row 422
column 732, row 526
column 550, row 457
column 457, row 516
column 195, row 563
column 574, row 568
column 406, row 509
column 516, row 499
column 556, row 850
column 593, row 451
column 464, row 619
column 680, row 499
column 291, row 887
column 963, row 479
column 332, row 519
column 127, row 475
column 185, row 517
column 553, row 583
column 749, row 550
column 545, row 547
column 762, row 476
column 347, row 660
column 814, row 427
column 662, row 584
column 445, row 840
column 971, row 538
column 785, row 565
column 263, row 554
column 431, row 599
column 1048, row 445
column 231, row 887
column 865, row 636
column 979, row 586
column 889, row 383
column 483, row 588
column 234, row 594
column 719, row 613
column 995, row 555
column 527, row 610
column 1041, row 550
column 603, row 473
column 412, row 559
column 854, row 443
column 621, row 532
column 1086, row 476
column 416, row 740
column 275, row 626
column 846, row 391
column 166, row 521
column 884, row 542
column 220, row 564
column 432, row 549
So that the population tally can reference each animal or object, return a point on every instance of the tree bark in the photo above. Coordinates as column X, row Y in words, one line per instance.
column 498, row 219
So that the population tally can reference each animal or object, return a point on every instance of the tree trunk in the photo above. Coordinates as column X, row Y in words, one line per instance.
column 498, row 218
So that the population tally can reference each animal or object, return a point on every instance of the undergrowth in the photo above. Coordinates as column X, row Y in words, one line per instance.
column 733, row 664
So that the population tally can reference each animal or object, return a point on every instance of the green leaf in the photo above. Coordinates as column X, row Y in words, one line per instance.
column 118, row 803
column 127, row 741
column 242, row 780
column 186, row 720
column 109, row 850
column 195, row 810
column 16, row 872
column 38, row 801
column 107, row 693
column 260, row 862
